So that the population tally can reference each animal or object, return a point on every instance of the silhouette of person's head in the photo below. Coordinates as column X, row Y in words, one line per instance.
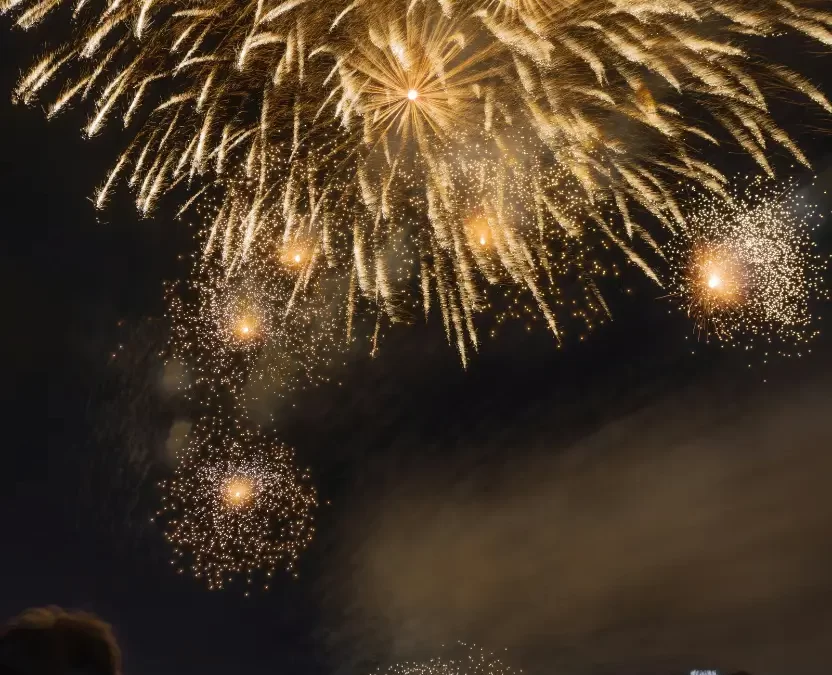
column 52, row 641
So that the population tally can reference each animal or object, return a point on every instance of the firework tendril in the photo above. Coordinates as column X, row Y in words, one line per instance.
column 426, row 150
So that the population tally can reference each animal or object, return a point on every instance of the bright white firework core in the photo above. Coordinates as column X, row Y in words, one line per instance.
column 412, row 94
column 714, row 281
column 238, row 491
column 297, row 257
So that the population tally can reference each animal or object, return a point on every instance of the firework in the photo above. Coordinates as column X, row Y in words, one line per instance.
column 746, row 266
column 459, row 659
column 366, row 122
column 261, row 324
column 237, row 507
column 504, row 260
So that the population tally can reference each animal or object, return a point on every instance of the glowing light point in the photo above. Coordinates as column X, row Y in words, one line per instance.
column 238, row 491
column 412, row 94
column 297, row 257
column 714, row 281
column 483, row 241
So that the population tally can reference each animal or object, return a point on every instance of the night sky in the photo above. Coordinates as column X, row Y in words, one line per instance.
column 638, row 503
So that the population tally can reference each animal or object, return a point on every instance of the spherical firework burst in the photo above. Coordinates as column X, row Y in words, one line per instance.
column 238, row 506
column 458, row 659
column 368, row 121
column 263, row 323
column 746, row 266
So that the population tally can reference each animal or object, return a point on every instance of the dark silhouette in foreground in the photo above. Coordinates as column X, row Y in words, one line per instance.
column 53, row 641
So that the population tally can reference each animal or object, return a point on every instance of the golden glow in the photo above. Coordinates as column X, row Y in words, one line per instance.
column 246, row 327
column 718, row 273
column 238, row 491
column 746, row 266
column 236, row 507
column 371, row 133
column 293, row 256
column 478, row 231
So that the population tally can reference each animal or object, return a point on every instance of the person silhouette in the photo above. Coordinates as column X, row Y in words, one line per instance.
column 53, row 641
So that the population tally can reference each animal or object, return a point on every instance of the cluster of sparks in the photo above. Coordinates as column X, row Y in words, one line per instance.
column 354, row 283
column 747, row 267
column 460, row 659
column 260, row 325
column 356, row 163
column 237, row 506
column 371, row 134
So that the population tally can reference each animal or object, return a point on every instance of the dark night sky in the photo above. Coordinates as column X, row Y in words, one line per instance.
column 616, row 506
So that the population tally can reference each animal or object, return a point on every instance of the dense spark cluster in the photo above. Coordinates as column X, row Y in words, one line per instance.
column 265, row 323
column 372, row 122
column 459, row 659
column 510, row 258
column 746, row 266
column 237, row 506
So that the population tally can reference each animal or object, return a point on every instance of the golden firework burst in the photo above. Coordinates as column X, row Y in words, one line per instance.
column 747, row 267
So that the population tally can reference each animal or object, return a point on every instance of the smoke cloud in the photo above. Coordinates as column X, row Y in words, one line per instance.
column 692, row 534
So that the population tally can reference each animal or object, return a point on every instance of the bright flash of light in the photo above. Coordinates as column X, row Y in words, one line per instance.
column 243, row 324
column 238, row 490
column 237, row 507
column 717, row 274
column 245, row 328
column 747, row 267
column 412, row 94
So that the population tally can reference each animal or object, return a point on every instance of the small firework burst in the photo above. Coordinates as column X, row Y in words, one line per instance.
column 457, row 659
column 237, row 506
column 260, row 325
column 746, row 266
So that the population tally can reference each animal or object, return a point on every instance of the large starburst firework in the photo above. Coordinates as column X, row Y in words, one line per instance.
column 237, row 506
column 747, row 268
column 362, row 123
